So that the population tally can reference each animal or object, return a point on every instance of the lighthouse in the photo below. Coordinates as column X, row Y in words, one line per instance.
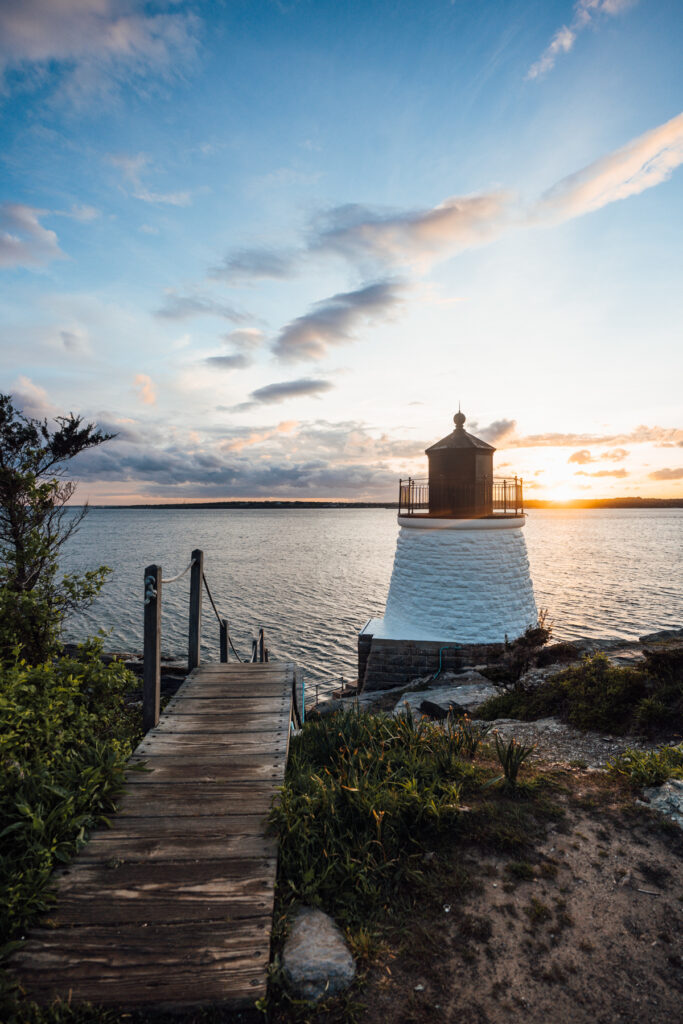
column 461, row 572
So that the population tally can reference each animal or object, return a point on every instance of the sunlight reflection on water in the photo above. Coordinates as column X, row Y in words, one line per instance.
column 312, row 577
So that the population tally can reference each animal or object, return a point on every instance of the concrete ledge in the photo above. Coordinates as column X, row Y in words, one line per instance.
column 383, row 664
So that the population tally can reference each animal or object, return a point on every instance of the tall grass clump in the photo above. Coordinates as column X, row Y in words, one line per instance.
column 64, row 739
column 364, row 797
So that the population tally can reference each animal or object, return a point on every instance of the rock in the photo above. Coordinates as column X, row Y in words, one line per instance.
column 663, row 634
column 326, row 707
column 467, row 692
column 315, row 958
column 667, row 799
column 427, row 707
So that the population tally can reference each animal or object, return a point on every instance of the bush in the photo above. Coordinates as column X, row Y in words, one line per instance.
column 650, row 767
column 599, row 695
column 64, row 741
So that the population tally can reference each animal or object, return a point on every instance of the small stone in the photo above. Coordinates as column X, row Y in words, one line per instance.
column 315, row 958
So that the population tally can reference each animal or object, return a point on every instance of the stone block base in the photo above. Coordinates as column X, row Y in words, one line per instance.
column 386, row 663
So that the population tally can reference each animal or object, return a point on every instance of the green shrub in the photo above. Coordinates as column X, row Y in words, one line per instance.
column 598, row 695
column 363, row 797
column 649, row 767
column 64, row 741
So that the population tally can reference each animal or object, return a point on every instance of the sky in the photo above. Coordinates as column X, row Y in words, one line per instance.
column 273, row 244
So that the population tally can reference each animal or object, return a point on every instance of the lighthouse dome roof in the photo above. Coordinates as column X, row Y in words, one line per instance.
column 459, row 438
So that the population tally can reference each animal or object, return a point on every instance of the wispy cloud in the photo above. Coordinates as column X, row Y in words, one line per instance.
column 586, row 13
column 181, row 307
column 584, row 457
column 95, row 44
column 32, row 399
column 254, row 265
column 24, row 242
column 667, row 474
column 82, row 213
column 305, row 387
column 145, row 389
column 659, row 436
column 619, row 474
column 232, row 361
column 132, row 168
column 646, row 161
column 333, row 321
column 412, row 236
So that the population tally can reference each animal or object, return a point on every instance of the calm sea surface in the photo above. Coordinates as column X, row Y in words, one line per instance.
column 312, row 578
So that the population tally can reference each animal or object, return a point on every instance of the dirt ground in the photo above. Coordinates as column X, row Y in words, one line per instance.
column 585, row 931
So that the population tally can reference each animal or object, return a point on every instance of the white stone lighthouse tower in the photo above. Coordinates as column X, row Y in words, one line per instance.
column 461, row 572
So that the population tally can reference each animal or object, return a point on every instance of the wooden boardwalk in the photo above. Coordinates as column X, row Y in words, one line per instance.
column 172, row 906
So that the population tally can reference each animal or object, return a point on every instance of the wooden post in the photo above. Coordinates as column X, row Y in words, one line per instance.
column 195, row 631
column 224, row 640
column 254, row 650
column 261, row 645
column 151, row 664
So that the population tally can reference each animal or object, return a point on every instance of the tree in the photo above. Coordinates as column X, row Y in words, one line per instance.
column 35, row 523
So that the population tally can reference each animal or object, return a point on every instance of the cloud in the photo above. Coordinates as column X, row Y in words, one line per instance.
column 94, row 45
column 254, row 265
column 234, row 361
column 255, row 437
column 146, row 390
column 181, row 307
column 619, row 473
column 333, row 321
column 585, row 13
column 641, row 435
column 416, row 236
column 132, row 168
column 245, row 339
column 24, row 242
column 305, row 387
column 667, row 474
column 496, row 431
column 32, row 399
column 584, row 456
column 642, row 163
column 82, row 213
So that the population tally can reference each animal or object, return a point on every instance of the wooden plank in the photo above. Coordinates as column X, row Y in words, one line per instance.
column 127, row 848
column 273, row 742
column 196, row 799
column 249, row 721
column 194, row 767
column 199, row 829
column 177, row 964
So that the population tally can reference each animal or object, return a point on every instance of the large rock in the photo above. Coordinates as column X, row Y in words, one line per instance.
column 468, row 691
column 667, row 799
column 316, row 959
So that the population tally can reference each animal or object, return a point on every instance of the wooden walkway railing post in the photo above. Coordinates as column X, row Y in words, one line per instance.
column 224, row 640
column 151, row 666
column 195, row 632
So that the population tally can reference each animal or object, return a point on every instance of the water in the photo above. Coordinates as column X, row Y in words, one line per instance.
column 313, row 577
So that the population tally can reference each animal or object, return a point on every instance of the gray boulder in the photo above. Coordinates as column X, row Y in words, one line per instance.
column 315, row 958
column 667, row 799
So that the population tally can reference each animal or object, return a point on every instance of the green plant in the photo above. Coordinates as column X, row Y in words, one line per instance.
column 36, row 520
column 64, row 739
column 511, row 756
column 649, row 767
column 471, row 734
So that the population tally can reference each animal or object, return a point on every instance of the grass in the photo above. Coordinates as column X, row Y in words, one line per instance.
column 649, row 767
column 600, row 696
column 374, row 818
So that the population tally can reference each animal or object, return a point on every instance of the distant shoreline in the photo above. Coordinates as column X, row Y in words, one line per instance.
column 579, row 503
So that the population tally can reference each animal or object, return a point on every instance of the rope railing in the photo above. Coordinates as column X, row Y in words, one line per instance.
column 151, row 692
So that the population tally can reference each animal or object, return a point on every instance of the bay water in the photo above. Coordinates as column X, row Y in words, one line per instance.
column 312, row 577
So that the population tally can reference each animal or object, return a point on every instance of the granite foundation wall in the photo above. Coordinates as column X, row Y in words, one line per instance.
column 386, row 663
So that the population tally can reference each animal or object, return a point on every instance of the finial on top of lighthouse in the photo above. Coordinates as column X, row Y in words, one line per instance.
column 459, row 419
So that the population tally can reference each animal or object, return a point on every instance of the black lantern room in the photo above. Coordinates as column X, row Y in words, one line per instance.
column 460, row 474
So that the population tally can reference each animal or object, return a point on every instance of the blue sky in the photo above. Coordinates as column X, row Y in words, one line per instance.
column 273, row 244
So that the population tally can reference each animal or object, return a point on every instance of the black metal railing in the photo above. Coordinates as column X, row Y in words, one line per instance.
column 500, row 495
